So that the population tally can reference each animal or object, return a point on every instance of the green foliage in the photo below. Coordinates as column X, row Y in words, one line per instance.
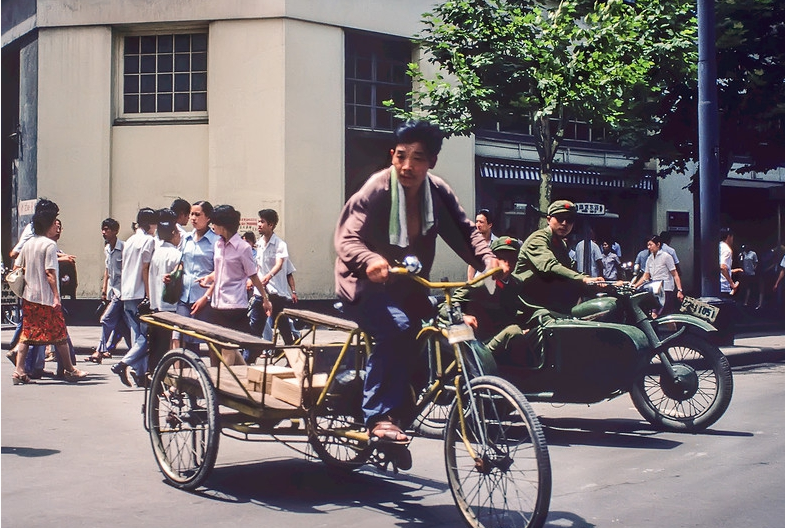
column 750, row 39
column 604, row 62
column 587, row 60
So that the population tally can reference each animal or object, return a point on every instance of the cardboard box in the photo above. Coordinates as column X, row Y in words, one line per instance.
column 289, row 389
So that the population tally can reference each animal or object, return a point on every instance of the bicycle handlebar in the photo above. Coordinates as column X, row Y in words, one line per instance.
column 443, row 285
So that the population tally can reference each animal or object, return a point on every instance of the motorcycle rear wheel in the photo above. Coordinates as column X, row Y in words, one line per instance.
column 697, row 397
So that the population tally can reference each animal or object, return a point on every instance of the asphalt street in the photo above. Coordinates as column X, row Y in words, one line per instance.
column 78, row 455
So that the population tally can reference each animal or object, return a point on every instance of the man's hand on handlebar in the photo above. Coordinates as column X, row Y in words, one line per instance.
column 378, row 271
column 470, row 320
column 593, row 280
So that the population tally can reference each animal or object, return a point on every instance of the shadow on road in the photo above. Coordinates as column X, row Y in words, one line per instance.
column 29, row 452
column 302, row 486
column 603, row 433
column 615, row 433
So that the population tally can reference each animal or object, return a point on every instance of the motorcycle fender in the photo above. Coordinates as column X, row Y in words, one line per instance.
column 684, row 319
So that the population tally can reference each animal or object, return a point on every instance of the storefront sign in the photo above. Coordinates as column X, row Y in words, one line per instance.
column 593, row 209
column 26, row 207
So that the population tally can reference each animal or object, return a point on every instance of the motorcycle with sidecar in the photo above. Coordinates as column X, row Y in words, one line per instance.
column 611, row 345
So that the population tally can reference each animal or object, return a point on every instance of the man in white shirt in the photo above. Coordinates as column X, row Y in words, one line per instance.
column 135, row 288
column 727, row 285
column 660, row 266
column 271, row 256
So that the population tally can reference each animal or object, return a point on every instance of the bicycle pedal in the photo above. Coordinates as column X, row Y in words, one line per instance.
column 397, row 455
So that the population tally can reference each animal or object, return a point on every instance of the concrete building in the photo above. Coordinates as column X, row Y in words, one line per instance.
column 110, row 105
column 124, row 104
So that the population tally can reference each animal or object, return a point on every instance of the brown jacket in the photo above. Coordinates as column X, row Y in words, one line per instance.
column 362, row 235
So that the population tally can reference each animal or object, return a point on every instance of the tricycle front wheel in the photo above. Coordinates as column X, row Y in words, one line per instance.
column 497, row 460
column 182, row 411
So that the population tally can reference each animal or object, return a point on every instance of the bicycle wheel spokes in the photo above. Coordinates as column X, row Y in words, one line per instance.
column 499, row 471
column 183, row 419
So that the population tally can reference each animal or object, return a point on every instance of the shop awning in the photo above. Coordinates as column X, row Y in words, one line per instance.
column 568, row 176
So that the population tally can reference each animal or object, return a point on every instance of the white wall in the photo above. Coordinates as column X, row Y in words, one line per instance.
column 74, row 113
column 674, row 197
column 154, row 164
column 246, row 108
column 314, row 152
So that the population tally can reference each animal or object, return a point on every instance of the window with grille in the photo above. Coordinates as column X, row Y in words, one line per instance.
column 164, row 74
column 375, row 72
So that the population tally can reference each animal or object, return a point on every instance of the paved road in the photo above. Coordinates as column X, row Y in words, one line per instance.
column 77, row 455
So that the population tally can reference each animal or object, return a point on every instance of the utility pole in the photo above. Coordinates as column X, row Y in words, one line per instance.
column 708, row 151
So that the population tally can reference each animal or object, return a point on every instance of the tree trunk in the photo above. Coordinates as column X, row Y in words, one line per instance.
column 546, row 149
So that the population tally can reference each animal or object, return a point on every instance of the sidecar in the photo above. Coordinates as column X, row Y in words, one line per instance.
column 582, row 362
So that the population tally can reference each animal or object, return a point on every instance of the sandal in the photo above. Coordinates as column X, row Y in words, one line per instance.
column 95, row 358
column 21, row 379
column 106, row 355
column 388, row 432
column 74, row 375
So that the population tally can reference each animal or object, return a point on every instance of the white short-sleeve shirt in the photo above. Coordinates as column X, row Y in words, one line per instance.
column 38, row 255
column 726, row 257
column 659, row 267
column 165, row 260
column 267, row 253
column 137, row 251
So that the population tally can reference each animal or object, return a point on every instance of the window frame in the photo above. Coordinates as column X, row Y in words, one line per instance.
column 122, row 117
column 374, row 43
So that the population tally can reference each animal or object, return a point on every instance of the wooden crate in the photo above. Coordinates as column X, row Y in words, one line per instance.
column 289, row 390
column 257, row 375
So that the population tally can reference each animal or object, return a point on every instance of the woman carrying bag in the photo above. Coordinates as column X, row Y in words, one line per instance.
column 43, row 322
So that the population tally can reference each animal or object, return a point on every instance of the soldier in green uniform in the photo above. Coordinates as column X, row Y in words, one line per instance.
column 548, row 279
column 493, row 315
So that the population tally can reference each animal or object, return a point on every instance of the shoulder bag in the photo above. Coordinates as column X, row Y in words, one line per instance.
column 16, row 281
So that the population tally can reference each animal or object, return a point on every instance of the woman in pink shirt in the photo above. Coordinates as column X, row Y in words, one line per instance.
column 226, row 285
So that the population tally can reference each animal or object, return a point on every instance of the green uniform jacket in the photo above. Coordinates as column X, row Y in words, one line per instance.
column 545, row 271
column 494, row 311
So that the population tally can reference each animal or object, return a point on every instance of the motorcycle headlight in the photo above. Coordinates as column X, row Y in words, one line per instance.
column 655, row 288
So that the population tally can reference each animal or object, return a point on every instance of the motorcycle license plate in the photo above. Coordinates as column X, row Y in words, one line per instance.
column 460, row 333
column 699, row 309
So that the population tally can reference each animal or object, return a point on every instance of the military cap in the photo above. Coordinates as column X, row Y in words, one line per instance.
column 505, row 243
column 562, row 207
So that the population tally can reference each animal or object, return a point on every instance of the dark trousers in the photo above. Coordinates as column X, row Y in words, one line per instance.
column 258, row 318
column 389, row 369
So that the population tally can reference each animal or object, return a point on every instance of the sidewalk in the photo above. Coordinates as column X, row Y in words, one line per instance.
column 748, row 349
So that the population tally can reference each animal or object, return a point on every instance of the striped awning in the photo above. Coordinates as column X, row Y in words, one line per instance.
column 568, row 176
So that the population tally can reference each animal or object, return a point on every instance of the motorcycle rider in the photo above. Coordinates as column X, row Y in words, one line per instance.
column 549, row 282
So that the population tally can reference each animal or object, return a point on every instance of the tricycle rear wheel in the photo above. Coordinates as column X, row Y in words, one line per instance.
column 334, row 424
column 698, row 395
column 182, row 412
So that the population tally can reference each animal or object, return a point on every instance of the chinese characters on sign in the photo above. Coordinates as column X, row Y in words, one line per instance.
column 593, row 209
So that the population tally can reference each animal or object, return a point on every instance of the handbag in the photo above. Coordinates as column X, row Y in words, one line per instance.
column 174, row 288
column 16, row 281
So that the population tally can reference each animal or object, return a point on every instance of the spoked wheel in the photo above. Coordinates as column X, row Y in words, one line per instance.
column 183, row 417
column 499, row 470
column 333, row 426
column 433, row 419
column 694, row 397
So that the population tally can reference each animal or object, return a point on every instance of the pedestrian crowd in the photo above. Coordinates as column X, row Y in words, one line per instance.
column 207, row 272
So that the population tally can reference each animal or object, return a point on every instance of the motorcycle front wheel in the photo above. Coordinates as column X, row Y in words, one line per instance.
column 694, row 396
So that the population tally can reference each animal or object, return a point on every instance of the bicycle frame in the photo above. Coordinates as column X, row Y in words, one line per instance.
column 440, row 329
